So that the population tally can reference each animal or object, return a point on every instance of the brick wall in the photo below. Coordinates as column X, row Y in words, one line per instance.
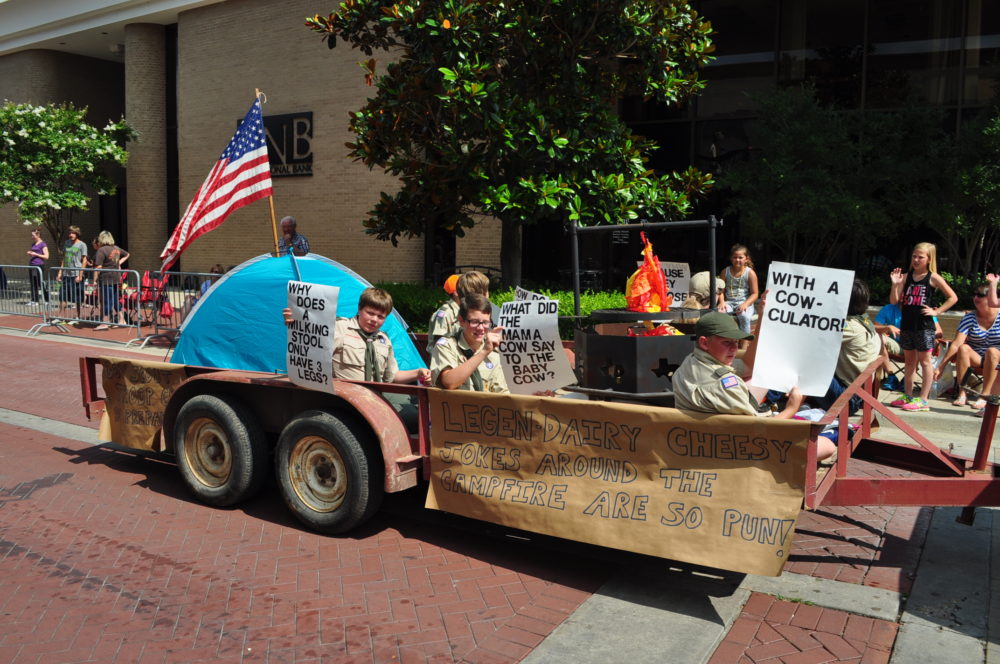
column 225, row 51
column 297, row 73
column 40, row 77
column 145, row 101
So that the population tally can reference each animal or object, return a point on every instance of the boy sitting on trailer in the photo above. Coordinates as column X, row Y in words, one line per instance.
column 361, row 350
column 468, row 359
column 444, row 321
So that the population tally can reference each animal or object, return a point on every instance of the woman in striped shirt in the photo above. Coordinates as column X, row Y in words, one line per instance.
column 977, row 344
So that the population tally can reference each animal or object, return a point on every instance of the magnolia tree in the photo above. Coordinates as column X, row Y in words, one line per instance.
column 509, row 109
column 51, row 162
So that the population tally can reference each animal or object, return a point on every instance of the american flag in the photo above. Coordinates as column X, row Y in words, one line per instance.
column 241, row 176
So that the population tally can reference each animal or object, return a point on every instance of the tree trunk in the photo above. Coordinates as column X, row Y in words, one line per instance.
column 510, row 252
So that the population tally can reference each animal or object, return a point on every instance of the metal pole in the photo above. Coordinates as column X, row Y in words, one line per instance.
column 712, row 222
column 575, row 254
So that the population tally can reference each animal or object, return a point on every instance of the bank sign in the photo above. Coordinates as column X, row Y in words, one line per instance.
column 289, row 143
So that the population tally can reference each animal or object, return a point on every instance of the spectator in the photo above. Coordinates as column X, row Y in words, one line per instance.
column 215, row 269
column 70, row 275
column 107, row 263
column 290, row 237
column 38, row 253
column 699, row 296
column 976, row 344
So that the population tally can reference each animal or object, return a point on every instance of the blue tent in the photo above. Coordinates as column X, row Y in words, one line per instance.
column 237, row 324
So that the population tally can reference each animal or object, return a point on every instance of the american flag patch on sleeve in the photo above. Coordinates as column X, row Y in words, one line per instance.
column 730, row 381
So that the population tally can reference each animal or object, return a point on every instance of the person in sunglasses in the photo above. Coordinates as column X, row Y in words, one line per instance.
column 976, row 344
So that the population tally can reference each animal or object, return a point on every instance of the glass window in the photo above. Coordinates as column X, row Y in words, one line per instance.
column 914, row 52
column 821, row 42
column 744, row 55
column 982, row 56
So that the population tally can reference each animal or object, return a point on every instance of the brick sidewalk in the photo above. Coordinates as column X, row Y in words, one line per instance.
column 781, row 632
column 104, row 557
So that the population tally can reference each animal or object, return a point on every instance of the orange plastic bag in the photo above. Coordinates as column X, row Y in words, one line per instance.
column 646, row 289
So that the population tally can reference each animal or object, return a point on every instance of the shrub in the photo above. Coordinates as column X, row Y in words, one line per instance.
column 416, row 303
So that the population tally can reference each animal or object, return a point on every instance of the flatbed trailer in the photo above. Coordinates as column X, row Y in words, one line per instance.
column 336, row 455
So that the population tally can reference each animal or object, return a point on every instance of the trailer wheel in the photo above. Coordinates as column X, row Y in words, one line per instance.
column 330, row 480
column 221, row 449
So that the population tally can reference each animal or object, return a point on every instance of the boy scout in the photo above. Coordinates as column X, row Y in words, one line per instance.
column 444, row 321
column 361, row 350
column 468, row 359
column 706, row 383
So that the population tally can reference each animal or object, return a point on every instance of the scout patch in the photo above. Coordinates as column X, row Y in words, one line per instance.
column 730, row 381
column 442, row 341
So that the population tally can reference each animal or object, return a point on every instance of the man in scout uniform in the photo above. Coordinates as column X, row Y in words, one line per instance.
column 706, row 383
column 361, row 350
column 444, row 321
column 468, row 359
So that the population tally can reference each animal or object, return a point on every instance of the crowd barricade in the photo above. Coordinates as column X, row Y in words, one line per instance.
column 165, row 299
column 24, row 291
column 81, row 301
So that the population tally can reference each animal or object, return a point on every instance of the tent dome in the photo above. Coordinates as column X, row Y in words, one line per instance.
column 237, row 323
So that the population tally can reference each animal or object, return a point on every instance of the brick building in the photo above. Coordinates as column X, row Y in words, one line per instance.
column 183, row 73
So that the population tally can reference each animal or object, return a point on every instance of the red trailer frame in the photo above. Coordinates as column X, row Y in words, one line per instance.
column 938, row 478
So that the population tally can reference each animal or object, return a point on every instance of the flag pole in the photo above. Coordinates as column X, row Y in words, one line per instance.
column 270, row 198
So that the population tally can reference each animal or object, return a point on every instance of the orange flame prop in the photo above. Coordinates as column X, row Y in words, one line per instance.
column 646, row 289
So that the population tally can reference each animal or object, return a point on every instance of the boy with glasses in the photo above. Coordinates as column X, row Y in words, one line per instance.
column 468, row 359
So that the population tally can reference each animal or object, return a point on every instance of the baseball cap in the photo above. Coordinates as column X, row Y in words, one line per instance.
column 718, row 324
column 450, row 283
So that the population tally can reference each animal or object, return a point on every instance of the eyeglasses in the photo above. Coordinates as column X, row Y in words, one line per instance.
column 478, row 323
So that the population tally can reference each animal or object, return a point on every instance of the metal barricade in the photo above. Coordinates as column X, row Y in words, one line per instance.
column 166, row 298
column 76, row 299
column 24, row 291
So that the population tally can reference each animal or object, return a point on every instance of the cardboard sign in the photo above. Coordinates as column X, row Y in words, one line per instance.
column 531, row 352
column 522, row 294
column 716, row 490
column 802, row 327
column 309, row 352
column 678, row 276
column 137, row 394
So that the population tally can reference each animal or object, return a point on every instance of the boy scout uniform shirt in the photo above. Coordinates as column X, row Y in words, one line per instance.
column 705, row 385
column 444, row 323
column 447, row 354
column 859, row 347
column 349, row 352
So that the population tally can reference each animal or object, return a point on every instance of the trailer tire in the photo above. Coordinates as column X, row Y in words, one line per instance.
column 330, row 478
column 221, row 449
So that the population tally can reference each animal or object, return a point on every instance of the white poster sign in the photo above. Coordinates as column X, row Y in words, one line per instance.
column 310, row 334
column 531, row 352
column 802, row 327
column 522, row 294
column 678, row 276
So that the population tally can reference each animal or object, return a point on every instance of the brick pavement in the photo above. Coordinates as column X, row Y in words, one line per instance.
column 775, row 631
column 104, row 557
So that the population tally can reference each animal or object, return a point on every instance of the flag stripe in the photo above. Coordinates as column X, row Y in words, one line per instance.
column 241, row 176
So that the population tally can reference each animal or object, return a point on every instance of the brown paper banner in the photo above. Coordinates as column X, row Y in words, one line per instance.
column 721, row 491
column 136, row 394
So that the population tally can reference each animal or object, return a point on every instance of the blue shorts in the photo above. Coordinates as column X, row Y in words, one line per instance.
column 71, row 291
column 919, row 340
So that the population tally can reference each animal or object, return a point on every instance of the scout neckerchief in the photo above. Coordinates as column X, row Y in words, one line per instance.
column 477, row 380
column 372, row 371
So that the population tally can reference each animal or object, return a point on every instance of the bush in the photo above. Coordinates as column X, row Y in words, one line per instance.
column 416, row 303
